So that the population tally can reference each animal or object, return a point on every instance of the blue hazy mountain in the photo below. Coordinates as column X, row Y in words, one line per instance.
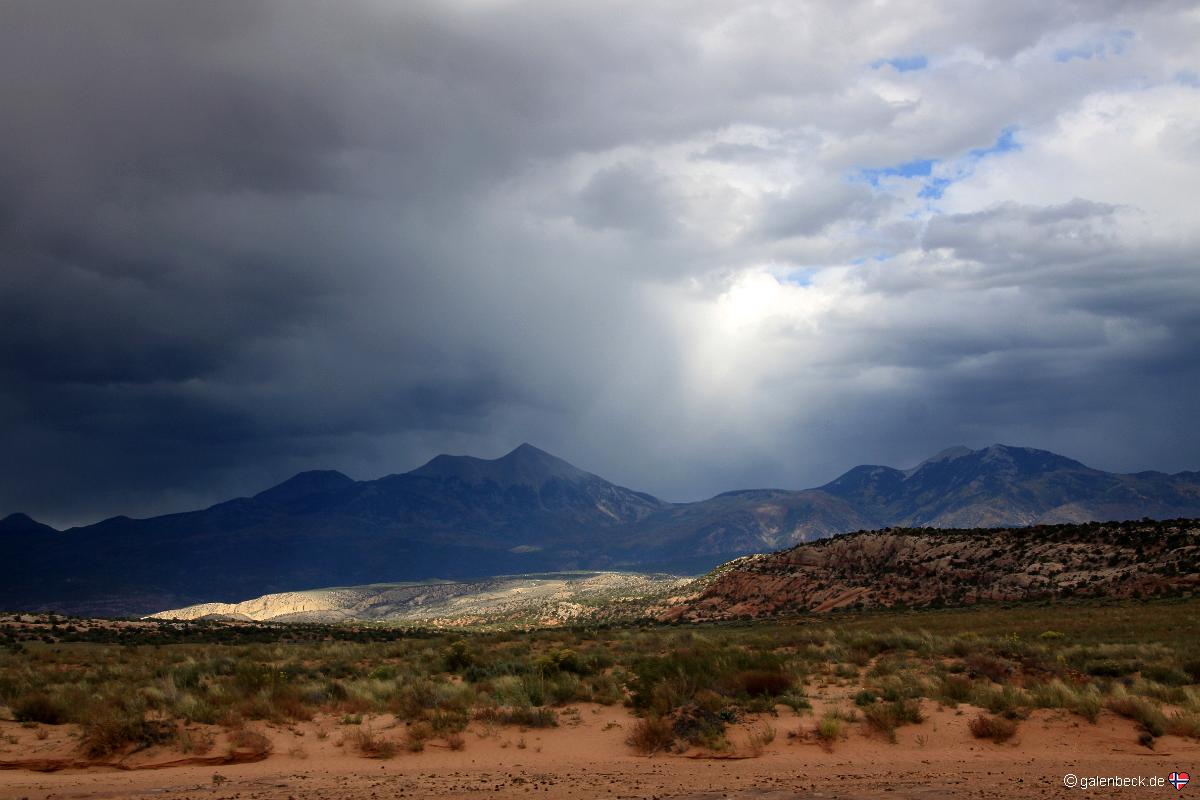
column 529, row 511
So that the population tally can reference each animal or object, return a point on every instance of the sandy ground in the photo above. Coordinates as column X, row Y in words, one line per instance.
column 586, row 757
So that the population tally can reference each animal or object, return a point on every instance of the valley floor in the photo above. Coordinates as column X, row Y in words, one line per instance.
column 587, row 757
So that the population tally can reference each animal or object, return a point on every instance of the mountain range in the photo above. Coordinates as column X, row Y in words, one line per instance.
column 529, row 511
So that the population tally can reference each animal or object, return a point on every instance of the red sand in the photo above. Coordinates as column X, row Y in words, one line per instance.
column 586, row 757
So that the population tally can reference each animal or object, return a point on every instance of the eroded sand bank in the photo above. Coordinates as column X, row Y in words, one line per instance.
column 587, row 757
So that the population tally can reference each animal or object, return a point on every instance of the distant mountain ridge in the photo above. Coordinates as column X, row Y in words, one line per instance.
column 1002, row 486
column 528, row 511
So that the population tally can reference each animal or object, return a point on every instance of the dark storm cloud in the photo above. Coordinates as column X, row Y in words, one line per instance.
column 242, row 239
column 627, row 197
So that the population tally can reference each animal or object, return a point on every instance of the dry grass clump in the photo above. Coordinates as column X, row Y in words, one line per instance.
column 954, row 689
column 1083, row 700
column 417, row 735
column 651, row 735
column 829, row 729
column 370, row 744
column 884, row 718
column 245, row 740
column 1184, row 723
column 998, row 729
column 524, row 716
column 1141, row 710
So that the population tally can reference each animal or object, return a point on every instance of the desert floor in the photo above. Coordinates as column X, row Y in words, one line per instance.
column 587, row 757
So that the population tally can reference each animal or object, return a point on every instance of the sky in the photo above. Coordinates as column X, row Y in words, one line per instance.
column 690, row 246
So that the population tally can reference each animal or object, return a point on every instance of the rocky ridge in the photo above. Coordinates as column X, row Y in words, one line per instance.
column 926, row 567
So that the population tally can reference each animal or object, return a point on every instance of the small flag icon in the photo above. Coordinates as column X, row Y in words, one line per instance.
column 1178, row 779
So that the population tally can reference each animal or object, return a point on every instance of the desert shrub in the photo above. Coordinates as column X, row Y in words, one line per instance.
column 828, row 730
column 510, row 690
column 846, row 671
column 331, row 691
column 285, row 703
column 1166, row 674
column 986, row 665
column 606, row 689
column 954, row 689
column 1111, row 667
column 759, row 737
column 39, row 707
column 458, row 657
column 564, row 688
column 650, row 735
column 411, row 700
column 562, row 659
column 447, row 722
column 250, row 677
column 904, row 685
column 191, row 708
column 699, row 726
column 1054, row 694
column 116, row 723
column 859, row 656
column 662, row 683
column 796, row 701
column 525, row 716
column 884, row 718
column 455, row 741
column 417, row 735
column 369, row 744
column 1007, row 700
column 1175, row 695
column 998, row 729
column 710, row 700
column 760, row 683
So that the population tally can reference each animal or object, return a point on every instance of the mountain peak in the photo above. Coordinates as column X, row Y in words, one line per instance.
column 23, row 523
column 525, row 451
column 1024, row 460
column 525, row 465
